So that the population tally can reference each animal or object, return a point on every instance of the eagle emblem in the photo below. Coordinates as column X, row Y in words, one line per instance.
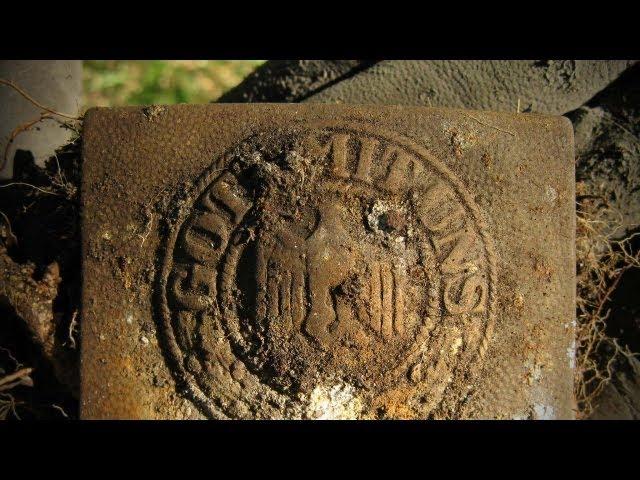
column 325, row 286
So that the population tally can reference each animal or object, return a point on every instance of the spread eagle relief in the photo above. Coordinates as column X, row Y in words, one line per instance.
column 289, row 261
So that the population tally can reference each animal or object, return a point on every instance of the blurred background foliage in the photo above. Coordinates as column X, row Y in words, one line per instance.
column 109, row 83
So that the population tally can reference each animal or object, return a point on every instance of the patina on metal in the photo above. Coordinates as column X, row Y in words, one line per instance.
column 327, row 261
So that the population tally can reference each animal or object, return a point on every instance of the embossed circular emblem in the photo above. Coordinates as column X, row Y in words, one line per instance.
column 322, row 268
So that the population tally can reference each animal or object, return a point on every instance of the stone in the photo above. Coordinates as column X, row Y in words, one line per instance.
column 327, row 261
column 537, row 86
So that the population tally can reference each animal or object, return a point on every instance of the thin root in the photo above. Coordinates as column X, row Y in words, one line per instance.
column 602, row 260
column 9, row 83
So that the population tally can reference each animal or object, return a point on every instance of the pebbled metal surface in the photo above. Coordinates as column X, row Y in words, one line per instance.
column 466, row 217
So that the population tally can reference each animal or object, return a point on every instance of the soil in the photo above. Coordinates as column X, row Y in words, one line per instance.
column 292, row 81
column 40, row 287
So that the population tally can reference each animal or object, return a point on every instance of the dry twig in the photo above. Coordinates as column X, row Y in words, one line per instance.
column 27, row 185
column 20, row 377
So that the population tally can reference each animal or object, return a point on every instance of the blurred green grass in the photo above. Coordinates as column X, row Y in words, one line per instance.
column 110, row 83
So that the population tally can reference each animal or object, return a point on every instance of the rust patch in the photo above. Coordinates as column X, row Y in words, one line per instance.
column 316, row 262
